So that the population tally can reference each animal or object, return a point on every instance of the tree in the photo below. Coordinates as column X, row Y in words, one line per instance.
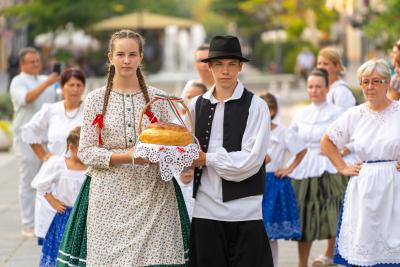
column 383, row 24
column 49, row 15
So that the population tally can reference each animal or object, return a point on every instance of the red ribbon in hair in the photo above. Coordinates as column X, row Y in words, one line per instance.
column 151, row 116
column 99, row 121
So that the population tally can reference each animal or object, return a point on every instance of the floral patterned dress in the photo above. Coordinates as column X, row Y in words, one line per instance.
column 133, row 215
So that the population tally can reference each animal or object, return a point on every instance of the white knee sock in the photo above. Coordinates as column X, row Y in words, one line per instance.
column 274, row 249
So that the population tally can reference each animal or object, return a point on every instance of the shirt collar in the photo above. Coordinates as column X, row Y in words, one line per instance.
column 237, row 93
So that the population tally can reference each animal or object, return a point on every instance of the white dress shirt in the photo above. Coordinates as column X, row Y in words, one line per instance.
column 19, row 87
column 232, row 166
column 340, row 95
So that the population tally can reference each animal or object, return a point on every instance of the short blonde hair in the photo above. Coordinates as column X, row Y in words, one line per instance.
column 333, row 55
column 372, row 65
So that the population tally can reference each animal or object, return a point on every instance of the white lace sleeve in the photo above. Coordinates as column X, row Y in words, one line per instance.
column 35, row 131
column 339, row 131
column 90, row 152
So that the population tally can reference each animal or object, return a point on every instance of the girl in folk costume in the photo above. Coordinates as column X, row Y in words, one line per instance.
column 368, row 231
column 134, row 218
column 280, row 212
column 318, row 186
column 59, row 183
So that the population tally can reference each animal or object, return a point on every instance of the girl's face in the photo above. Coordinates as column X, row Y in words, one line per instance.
column 125, row 56
column 316, row 89
column 330, row 67
column 73, row 89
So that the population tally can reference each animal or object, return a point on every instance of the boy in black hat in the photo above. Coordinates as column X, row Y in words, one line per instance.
column 232, row 126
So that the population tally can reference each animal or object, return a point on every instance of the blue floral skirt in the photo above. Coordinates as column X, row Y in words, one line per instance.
column 52, row 240
column 280, row 211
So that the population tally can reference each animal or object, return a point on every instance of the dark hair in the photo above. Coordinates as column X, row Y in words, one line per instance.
column 124, row 34
column 24, row 51
column 320, row 72
column 202, row 86
column 203, row 47
column 73, row 137
column 271, row 101
column 72, row 72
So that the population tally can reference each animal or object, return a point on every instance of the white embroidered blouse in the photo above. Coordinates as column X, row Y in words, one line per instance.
column 51, row 125
column 311, row 123
column 375, row 135
column 282, row 140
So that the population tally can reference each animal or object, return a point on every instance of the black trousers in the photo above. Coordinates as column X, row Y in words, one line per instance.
column 229, row 244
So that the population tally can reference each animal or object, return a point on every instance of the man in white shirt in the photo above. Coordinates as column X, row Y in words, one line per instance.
column 29, row 91
column 233, row 126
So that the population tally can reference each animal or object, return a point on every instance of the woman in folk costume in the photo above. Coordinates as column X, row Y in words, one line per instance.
column 280, row 212
column 318, row 186
column 368, row 232
column 47, row 133
column 339, row 94
column 134, row 218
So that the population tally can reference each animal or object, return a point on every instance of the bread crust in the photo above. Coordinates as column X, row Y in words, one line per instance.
column 166, row 133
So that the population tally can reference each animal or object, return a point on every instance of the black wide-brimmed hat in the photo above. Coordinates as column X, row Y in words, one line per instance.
column 224, row 47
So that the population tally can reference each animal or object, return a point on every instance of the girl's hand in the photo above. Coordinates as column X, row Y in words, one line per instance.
column 58, row 205
column 398, row 166
column 47, row 156
column 283, row 172
column 351, row 170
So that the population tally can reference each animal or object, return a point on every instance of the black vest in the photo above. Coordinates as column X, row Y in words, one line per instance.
column 235, row 120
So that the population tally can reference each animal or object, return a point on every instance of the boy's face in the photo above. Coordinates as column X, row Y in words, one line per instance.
column 225, row 71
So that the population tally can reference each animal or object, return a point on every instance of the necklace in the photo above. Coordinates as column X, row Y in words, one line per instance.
column 73, row 115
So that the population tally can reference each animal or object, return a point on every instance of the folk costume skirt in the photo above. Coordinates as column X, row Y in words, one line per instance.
column 369, row 232
column 319, row 200
column 280, row 211
column 52, row 241
column 73, row 251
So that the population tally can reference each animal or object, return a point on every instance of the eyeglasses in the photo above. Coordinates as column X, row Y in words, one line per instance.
column 374, row 82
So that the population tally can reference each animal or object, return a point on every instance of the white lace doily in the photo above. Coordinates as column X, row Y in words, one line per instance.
column 172, row 159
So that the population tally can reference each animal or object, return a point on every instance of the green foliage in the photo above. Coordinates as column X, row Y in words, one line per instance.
column 264, row 54
column 49, row 15
column 6, row 107
column 384, row 25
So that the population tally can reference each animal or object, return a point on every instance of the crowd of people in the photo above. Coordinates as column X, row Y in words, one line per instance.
column 89, row 201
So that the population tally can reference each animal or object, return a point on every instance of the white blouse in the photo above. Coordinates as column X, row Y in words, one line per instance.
column 311, row 123
column 55, row 177
column 340, row 95
column 375, row 135
column 282, row 140
column 52, row 124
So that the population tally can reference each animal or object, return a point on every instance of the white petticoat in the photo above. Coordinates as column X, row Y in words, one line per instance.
column 172, row 159
column 370, row 229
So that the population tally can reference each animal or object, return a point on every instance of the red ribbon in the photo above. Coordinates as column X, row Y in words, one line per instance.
column 99, row 121
column 151, row 116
